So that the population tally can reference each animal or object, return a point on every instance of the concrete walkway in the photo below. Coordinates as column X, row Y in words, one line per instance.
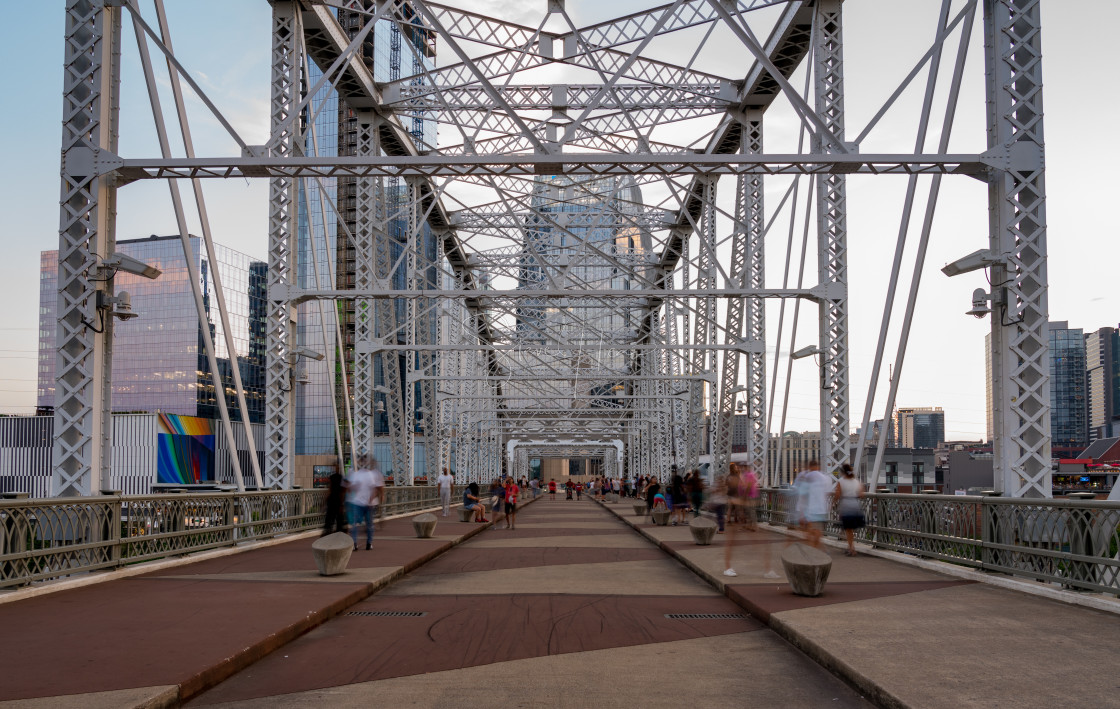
column 570, row 609
column 907, row 637
column 156, row 639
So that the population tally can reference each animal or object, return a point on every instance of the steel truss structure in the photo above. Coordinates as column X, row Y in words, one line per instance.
column 591, row 292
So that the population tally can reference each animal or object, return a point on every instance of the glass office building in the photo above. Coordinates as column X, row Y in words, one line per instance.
column 317, row 321
column 159, row 359
column 1069, row 425
column 327, row 213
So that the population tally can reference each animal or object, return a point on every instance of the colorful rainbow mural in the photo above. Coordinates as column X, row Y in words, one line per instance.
column 185, row 450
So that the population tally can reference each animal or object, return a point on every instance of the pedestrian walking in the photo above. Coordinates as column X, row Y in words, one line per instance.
column 552, row 489
column 734, row 515
column 511, row 502
column 335, row 505
column 678, row 498
column 696, row 492
column 363, row 495
column 446, row 481
column 497, row 497
column 813, row 488
column 749, row 493
column 653, row 488
column 848, row 506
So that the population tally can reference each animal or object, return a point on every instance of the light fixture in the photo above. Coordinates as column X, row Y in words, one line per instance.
column 973, row 262
column 307, row 352
column 806, row 352
column 122, row 262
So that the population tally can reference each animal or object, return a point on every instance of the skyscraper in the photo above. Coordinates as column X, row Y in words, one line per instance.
column 920, row 427
column 159, row 361
column 1102, row 369
column 1069, row 430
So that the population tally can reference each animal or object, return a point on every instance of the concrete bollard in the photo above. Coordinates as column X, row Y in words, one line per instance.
column 703, row 530
column 661, row 517
column 639, row 509
column 332, row 553
column 806, row 569
column 465, row 515
column 425, row 525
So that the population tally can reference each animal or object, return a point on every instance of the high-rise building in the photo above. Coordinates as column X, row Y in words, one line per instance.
column 1102, row 370
column 1069, row 430
column 159, row 360
column 920, row 427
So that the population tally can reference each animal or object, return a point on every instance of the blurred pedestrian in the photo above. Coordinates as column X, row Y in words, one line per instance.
column 335, row 506
column 749, row 492
column 678, row 498
column 446, row 481
column 734, row 515
column 511, row 492
column 363, row 494
column 696, row 492
column 813, row 488
column 848, row 506
column 653, row 488
column 497, row 497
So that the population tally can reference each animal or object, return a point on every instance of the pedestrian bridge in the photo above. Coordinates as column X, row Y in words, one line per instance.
column 214, row 600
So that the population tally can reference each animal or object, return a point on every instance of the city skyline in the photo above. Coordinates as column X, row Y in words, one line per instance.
column 954, row 382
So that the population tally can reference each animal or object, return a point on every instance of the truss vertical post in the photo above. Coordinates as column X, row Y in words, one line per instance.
column 746, row 270
column 365, row 226
column 280, row 328
column 427, row 330
column 388, row 332
column 83, row 370
column 832, row 238
column 755, row 277
column 1017, row 214
column 703, row 359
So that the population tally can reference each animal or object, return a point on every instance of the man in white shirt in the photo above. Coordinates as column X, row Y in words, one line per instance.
column 445, row 482
column 364, row 488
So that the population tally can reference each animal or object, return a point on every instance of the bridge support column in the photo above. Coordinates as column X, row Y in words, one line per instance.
column 280, row 326
column 1020, row 342
column 86, row 235
column 832, row 237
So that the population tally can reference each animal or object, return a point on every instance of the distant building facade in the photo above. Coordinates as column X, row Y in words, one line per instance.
column 159, row 359
column 902, row 469
column 790, row 453
column 1069, row 429
column 920, row 427
column 1102, row 372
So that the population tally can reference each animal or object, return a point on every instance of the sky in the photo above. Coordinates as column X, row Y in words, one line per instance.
column 225, row 45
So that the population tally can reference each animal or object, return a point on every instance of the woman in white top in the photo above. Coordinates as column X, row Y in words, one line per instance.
column 847, row 503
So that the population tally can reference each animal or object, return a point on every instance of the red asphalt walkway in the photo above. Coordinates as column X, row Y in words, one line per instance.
column 579, row 606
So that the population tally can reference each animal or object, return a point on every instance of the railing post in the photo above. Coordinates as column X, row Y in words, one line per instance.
column 112, row 535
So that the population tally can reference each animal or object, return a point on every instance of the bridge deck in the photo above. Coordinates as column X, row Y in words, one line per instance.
column 569, row 609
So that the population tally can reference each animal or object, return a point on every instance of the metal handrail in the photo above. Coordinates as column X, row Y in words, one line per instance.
column 57, row 537
column 1075, row 543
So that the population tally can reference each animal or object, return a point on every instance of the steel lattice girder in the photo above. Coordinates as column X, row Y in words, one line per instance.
column 590, row 164
column 629, row 331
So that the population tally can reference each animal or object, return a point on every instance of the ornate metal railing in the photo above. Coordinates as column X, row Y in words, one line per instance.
column 1070, row 542
column 56, row 537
